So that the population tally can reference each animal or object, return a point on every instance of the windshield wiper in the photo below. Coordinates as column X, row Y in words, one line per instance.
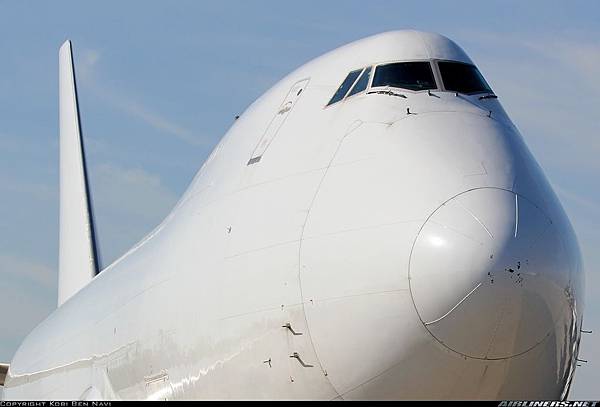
column 387, row 92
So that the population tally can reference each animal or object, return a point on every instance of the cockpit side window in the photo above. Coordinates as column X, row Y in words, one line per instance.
column 362, row 83
column 463, row 78
column 345, row 86
column 405, row 75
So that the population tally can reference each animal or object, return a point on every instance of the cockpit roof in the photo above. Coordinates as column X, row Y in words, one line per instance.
column 391, row 46
column 404, row 45
column 412, row 45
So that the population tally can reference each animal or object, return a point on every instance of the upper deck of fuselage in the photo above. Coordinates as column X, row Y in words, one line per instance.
column 314, row 114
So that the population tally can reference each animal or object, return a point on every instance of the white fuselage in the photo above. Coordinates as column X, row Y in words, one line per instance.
column 371, row 252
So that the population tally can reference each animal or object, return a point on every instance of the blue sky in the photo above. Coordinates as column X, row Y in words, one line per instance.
column 160, row 83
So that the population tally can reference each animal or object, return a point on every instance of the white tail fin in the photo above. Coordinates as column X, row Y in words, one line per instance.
column 78, row 259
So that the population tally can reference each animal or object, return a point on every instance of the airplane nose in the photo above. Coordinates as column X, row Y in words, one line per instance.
column 488, row 272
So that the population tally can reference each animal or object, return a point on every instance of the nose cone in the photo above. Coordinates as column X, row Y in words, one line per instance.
column 488, row 274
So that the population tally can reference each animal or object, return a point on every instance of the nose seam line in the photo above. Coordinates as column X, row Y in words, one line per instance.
column 477, row 219
column 453, row 308
column 516, row 215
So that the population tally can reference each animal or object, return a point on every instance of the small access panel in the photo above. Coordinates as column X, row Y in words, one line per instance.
column 282, row 113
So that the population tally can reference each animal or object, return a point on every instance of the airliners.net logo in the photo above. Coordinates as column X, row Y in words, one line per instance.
column 549, row 404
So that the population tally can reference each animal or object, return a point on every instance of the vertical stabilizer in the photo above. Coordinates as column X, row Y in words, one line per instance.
column 77, row 260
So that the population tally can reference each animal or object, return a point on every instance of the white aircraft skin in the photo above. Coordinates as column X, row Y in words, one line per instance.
column 373, row 252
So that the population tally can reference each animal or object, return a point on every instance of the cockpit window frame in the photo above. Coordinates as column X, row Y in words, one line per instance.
column 369, row 87
column 370, row 68
column 433, row 67
column 443, row 88
column 435, row 70
column 361, row 71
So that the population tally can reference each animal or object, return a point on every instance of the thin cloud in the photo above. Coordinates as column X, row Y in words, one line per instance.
column 578, row 199
column 30, row 289
column 129, row 203
column 158, row 122
column 86, row 71
column 543, row 81
column 30, row 190
column 147, row 196
column 581, row 57
column 25, row 269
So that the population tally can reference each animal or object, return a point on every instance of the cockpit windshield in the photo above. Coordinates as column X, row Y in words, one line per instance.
column 415, row 76
column 345, row 86
column 405, row 75
column 463, row 78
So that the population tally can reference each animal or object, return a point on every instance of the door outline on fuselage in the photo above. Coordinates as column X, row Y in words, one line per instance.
column 278, row 120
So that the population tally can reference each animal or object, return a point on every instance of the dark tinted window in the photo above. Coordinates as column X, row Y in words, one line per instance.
column 362, row 82
column 345, row 86
column 463, row 78
column 406, row 75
